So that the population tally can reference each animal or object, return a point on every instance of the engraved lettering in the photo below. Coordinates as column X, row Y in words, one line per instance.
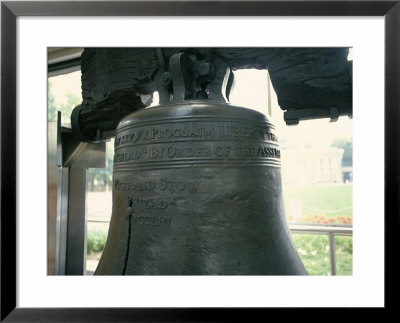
column 196, row 151
column 135, row 186
column 268, row 152
column 155, row 130
column 180, row 186
column 156, row 221
column 132, row 155
column 171, row 151
column 194, row 186
column 219, row 151
column 179, row 152
column 225, row 131
column 167, row 222
column 189, row 151
column 139, row 134
column 208, row 132
column 173, row 185
column 163, row 204
column 149, row 134
column 152, row 220
column 149, row 204
column 163, row 184
column 222, row 150
column 177, row 132
column 234, row 137
column 156, row 152
column 167, row 133
column 230, row 131
column 152, row 203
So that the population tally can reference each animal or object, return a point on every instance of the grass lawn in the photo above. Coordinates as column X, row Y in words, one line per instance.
column 333, row 200
column 326, row 202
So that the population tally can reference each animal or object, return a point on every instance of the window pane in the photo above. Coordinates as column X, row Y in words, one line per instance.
column 99, row 208
column 64, row 94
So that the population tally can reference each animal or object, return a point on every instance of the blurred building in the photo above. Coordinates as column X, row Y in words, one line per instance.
column 312, row 166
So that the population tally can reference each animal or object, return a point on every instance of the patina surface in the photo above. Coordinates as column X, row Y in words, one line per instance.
column 197, row 191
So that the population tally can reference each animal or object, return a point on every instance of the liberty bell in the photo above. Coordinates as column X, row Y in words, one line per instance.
column 197, row 183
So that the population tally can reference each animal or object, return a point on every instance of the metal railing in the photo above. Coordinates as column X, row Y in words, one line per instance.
column 330, row 230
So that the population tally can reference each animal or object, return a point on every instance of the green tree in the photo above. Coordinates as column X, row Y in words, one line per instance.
column 72, row 101
column 347, row 146
column 51, row 105
column 66, row 108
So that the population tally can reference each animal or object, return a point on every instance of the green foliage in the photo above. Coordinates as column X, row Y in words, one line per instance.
column 66, row 108
column 333, row 204
column 347, row 146
column 313, row 250
column 344, row 255
column 51, row 106
column 96, row 240
column 72, row 101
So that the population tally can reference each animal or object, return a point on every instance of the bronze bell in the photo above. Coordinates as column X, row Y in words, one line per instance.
column 197, row 191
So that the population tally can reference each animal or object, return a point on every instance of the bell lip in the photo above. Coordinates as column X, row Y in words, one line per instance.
column 193, row 108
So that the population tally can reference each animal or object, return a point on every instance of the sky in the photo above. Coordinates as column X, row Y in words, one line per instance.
column 61, row 84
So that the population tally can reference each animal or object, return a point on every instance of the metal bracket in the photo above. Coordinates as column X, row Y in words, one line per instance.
column 293, row 117
column 188, row 78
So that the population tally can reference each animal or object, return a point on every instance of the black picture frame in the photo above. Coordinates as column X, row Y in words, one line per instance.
column 10, row 10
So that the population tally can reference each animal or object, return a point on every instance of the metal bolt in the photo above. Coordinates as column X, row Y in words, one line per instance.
column 165, row 78
column 204, row 69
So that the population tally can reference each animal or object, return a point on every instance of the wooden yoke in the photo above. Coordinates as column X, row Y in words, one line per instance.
column 309, row 82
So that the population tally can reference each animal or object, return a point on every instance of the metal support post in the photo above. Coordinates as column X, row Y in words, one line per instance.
column 67, row 169
column 332, row 252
